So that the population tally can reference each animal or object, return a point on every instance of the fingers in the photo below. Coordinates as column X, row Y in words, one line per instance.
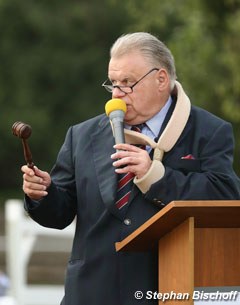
column 25, row 169
column 125, row 159
column 127, row 147
column 130, row 158
column 35, row 182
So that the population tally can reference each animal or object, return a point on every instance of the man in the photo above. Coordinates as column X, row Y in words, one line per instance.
column 186, row 158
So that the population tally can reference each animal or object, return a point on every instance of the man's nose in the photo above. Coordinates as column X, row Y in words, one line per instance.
column 116, row 93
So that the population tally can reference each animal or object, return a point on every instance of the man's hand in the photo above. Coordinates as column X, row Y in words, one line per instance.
column 35, row 182
column 130, row 158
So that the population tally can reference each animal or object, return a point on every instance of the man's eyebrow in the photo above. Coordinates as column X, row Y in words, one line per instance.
column 122, row 80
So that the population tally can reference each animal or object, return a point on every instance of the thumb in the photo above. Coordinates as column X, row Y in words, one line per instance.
column 42, row 174
column 38, row 172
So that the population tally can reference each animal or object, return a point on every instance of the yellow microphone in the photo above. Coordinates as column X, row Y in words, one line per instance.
column 115, row 109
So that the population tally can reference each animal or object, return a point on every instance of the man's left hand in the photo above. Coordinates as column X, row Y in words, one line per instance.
column 130, row 158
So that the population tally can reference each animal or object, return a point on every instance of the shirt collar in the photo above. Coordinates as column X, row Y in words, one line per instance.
column 155, row 123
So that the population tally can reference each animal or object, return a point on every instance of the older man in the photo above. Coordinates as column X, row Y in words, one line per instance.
column 186, row 157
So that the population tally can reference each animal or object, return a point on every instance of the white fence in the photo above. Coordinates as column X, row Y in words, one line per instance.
column 22, row 238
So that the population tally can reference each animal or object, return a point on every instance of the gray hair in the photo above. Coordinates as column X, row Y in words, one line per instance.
column 151, row 48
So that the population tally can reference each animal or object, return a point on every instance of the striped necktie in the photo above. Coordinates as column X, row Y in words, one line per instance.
column 125, row 181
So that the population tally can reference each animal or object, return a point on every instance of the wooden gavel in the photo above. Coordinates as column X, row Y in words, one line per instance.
column 23, row 131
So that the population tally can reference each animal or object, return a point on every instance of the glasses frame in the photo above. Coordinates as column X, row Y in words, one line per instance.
column 110, row 88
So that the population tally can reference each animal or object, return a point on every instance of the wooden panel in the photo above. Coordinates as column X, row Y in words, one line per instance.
column 217, row 257
column 176, row 262
column 214, row 214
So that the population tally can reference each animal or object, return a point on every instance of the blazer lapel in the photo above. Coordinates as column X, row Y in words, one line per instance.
column 102, row 145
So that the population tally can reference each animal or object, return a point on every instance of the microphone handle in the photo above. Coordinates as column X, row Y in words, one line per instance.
column 118, row 130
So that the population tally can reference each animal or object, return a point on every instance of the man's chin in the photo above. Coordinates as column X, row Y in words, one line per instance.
column 129, row 117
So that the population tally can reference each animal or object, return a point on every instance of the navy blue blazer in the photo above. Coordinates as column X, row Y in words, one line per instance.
column 84, row 186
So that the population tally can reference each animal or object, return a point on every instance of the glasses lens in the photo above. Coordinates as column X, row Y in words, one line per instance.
column 109, row 88
column 124, row 89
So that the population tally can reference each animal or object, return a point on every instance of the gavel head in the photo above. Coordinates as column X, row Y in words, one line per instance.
column 21, row 130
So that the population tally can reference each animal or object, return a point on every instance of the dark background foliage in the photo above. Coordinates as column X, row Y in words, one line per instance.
column 54, row 56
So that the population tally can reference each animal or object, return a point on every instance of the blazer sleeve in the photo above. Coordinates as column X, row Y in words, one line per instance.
column 209, row 177
column 58, row 208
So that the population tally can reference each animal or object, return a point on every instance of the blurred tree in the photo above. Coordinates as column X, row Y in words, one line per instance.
column 53, row 56
column 204, row 38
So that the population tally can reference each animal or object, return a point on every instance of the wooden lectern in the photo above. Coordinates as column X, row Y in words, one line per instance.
column 198, row 245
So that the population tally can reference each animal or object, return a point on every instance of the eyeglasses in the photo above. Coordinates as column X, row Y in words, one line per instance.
column 125, row 89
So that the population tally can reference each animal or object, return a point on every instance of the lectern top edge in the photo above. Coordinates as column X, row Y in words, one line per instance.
column 220, row 213
column 205, row 203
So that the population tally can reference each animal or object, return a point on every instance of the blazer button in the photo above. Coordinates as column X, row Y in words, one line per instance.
column 127, row 222
column 158, row 202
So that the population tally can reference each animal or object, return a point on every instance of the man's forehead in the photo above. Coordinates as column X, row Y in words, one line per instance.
column 132, row 63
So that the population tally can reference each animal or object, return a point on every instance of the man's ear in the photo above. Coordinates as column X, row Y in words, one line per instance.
column 163, row 79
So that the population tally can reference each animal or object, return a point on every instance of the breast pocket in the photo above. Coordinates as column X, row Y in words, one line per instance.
column 187, row 165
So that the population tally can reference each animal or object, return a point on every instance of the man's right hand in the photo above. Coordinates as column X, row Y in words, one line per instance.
column 35, row 182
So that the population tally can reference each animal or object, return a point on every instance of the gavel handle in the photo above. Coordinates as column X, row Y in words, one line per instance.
column 27, row 154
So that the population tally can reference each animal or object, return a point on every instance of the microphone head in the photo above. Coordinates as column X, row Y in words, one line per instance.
column 115, row 104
